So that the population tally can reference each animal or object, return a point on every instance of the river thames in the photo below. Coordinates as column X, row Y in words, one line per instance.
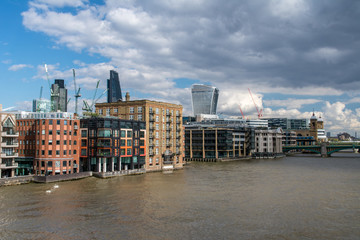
column 299, row 197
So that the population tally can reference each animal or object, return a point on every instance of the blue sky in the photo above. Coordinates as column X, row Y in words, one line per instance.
column 294, row 55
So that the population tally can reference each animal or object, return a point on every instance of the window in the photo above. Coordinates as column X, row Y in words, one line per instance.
column 150, row 161
column 100, row 111
column 157, row 126
column 74, row 152
column 69, row 142
column 157, row 161
column 50, row 152
column 129, row 151
column 108, row 112
column 64, row 152
column 64, row 163
column 157, row 119
column 123, row 133
column 75, row 142
column 128, row 143
column 142, row 134
column 157, row 143
column 65, row 132
column 157, row 111
column 150, row 110
column 50, row 142
column 64, row 142
column 69, row 152
column 42, row 142
column 131, row 117
column 131, row 109
column 57, row 142
column 57, row 152
column 65, row 122
column 122, row 151
column 139, row 117
column 58, row 122
column 83, row 133
column 43, row 152
column 157, row 134
column 139, row 109
column 129, row 134
column 42, row 132
column 156, row 151
column 115, row 110
column 122, row 142
column 57, row 132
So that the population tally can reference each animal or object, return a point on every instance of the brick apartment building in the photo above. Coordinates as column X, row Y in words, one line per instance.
column 163, row 126
column 51, row 141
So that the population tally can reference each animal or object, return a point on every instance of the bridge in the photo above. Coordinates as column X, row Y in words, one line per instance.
column 325, row 150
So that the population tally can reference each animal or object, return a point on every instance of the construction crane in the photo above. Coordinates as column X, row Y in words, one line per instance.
column 241, row 112
column 77, row 94
column 259, row 112
column 90, row 107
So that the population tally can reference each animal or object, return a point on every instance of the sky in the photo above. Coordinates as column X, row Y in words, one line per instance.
column 296, row 56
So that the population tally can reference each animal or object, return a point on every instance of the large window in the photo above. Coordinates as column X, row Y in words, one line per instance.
column 104, row 133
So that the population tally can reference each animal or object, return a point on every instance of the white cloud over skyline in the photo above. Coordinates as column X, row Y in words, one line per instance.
column 291, row 48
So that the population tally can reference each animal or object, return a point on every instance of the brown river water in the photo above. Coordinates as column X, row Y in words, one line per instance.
column 299, row 197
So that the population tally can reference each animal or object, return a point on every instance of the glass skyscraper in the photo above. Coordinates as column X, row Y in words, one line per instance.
column 114, row 89
column 204, row 99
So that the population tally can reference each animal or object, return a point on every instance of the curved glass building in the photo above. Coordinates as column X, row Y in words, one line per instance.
column 204, row 99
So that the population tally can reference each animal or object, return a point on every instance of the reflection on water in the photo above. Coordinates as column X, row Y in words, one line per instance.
column 302, row 197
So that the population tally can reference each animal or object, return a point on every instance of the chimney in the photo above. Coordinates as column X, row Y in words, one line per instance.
column 127, row 96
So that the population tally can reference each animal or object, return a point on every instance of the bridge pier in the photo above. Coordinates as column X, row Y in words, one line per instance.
column 324, row 152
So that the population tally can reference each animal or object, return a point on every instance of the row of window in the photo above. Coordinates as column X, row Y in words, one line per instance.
column 58, row 122
column 27, row 142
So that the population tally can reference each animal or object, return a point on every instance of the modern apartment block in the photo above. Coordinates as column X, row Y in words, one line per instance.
column 164, row 138
column 204, row 99
column 111, row 144
column 59, row 96
column 208, row 143
column 50, row 141
column 114, row 90
column 9, row 143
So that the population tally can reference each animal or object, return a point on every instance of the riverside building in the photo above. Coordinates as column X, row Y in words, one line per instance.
column 9, row 143
column 111, row 144
column 164, row 138
column 50, row 141
column 212, row 143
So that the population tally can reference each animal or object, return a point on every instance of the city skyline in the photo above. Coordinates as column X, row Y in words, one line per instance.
column 295, row 56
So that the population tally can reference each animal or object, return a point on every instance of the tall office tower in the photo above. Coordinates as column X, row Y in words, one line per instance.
column 204, row 99
column 114, row 89
column 59, row 96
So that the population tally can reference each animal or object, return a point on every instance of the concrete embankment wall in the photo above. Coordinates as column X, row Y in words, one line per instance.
column 16, row 180
column 65, row 177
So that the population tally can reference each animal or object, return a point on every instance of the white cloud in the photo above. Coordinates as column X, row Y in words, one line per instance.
column 291, row 103
column 283, row 46
column 17, row 67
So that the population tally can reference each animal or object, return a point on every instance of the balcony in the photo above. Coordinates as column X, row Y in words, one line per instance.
column 14, row 144
column 10, row 134
column 9, row 155
column 8, row 165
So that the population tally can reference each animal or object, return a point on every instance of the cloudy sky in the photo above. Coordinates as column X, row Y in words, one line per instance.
column 294, row 55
